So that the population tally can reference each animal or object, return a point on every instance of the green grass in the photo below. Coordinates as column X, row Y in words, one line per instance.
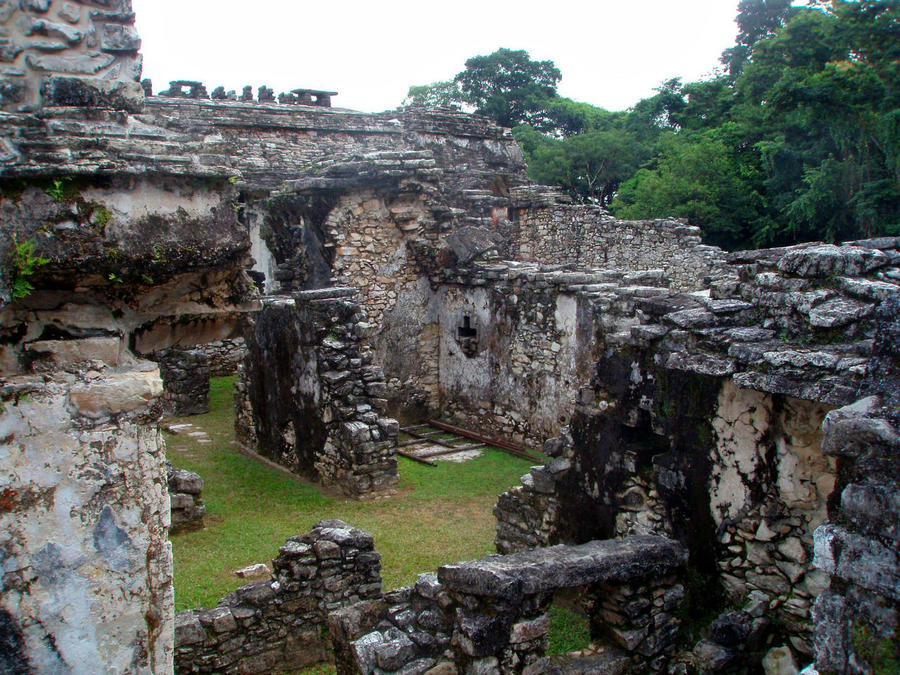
column 440, row 514
column 569, row 631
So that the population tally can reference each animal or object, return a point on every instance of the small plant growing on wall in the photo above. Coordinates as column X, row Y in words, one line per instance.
column 22, row 262
column 58, row 189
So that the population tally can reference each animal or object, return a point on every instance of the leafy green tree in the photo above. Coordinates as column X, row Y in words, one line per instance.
column 589, row 166
column 698, row 177
column 757, row 20
column 565, row 117
column 800, row 141
column 446, row 93
column 509, row 87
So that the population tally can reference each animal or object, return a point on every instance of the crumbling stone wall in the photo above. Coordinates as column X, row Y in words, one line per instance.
column 857, row 618
column 60, row 53
column 492, row 613
column 280, row 624
column 517, row 343
column 142, row 264
column 84, row 514
column 408, row 629
column 547, row 230
column 224, row 356
column 702, row 421
column 311, row 399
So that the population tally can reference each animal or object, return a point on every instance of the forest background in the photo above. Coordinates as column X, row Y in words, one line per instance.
column 796, row 138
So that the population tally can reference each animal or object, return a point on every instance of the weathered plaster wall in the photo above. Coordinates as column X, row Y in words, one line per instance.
column 84, row 514
column 769, row 487
column 516, row 343
column 60, row 52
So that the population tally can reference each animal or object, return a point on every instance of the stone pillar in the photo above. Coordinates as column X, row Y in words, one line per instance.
column 84, row 514
column 857, row 619
column 315, row 397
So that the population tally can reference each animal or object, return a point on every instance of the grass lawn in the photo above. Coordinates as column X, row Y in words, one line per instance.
column 440, row 514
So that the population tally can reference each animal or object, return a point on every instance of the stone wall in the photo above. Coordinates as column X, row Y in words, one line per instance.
column 280, row 624
column 84, row 514
column 490, row 615
column 702, row 421
column 857, row 619
column 185, row 375
column 544, row 230
column 516, row 344
column 146, row 263
column 311, row 399
column 61, row 53
column 408, row 629
column 224, row 356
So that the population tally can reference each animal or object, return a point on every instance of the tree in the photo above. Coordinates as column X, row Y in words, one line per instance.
column 588, row 166
column 756, row 20
column 698, row 177
column 509, row 87
column 445, row 94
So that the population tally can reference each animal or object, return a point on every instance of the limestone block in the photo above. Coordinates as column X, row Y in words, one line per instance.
column 779, row 661
column 62, row 353
column 116, row 393
column 829, row 260
column 860, row 560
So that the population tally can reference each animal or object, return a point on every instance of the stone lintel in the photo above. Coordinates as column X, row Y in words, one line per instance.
column 549, row 569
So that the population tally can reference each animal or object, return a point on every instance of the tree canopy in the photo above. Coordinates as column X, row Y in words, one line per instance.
column 797, row 139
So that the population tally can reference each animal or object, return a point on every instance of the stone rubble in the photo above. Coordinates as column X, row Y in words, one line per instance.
column 185, row 498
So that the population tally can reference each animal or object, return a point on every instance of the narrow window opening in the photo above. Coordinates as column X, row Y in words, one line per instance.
column 467, row 337
column 466, row 330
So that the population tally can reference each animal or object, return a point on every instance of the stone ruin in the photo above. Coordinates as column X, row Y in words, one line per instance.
column 720, row 427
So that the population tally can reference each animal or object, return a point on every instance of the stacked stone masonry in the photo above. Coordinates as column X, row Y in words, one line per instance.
column 185, row 375
column 186, row 498
column 547, row 231
column 858, row 616
column 310, row 398
column 280, row 624
column 490, row 615
column 62, row 53
column 762, row 352
column 224, row 356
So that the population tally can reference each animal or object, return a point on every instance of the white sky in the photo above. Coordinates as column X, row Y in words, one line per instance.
column 611, row 53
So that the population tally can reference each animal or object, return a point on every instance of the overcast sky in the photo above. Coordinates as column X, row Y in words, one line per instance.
column 611, row 53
